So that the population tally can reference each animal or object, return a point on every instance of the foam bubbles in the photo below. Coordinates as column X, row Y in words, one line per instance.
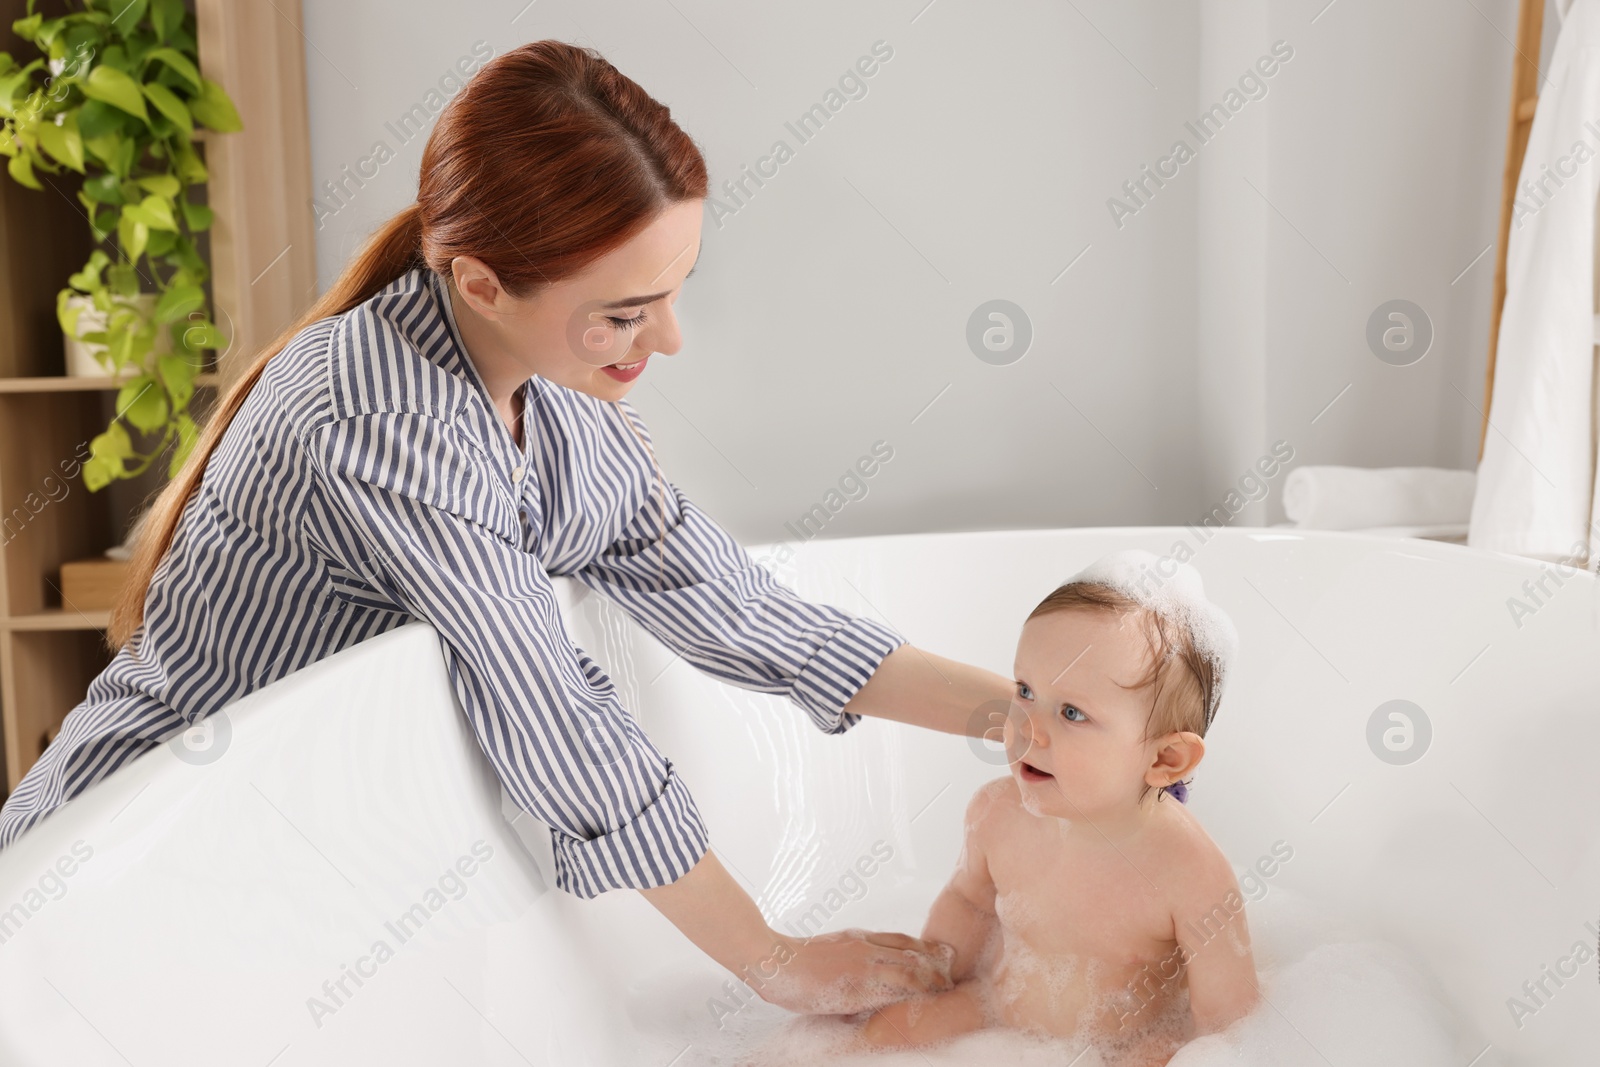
column 1180, row 598
column 1330, row 995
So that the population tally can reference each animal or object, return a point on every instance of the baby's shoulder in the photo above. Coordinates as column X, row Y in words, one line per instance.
column 994, row 800
column 1201, row 874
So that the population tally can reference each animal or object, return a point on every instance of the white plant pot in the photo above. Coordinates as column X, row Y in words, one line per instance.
column 82, row 358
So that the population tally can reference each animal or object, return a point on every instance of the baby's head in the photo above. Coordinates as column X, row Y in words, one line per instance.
column 1119, row 673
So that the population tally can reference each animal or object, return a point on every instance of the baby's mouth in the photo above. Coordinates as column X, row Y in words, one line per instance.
column 1030, row 773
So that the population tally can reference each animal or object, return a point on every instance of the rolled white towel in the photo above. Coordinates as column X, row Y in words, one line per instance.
column 1353, row 498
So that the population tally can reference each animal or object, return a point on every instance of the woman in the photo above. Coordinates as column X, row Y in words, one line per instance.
column 435, row 438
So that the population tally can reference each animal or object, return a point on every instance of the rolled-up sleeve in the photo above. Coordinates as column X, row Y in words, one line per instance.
column 428, row 524
column 686, row 580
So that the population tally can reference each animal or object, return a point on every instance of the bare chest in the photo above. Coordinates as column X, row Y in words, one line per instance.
column 1060, row 898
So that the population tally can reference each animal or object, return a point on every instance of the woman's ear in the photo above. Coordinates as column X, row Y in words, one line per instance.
column 479, row 286
column 1176, row 757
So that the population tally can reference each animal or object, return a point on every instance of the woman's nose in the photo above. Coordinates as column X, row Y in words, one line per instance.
column 662, row 333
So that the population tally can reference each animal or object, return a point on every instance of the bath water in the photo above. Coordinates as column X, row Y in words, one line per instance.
column 1329, row 995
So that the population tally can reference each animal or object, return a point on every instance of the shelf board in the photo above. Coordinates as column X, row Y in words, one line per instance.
column 58, row 619
column 71, row 384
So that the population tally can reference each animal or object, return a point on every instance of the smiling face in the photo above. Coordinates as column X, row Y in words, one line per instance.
column 1075, row 736
column 595, row 331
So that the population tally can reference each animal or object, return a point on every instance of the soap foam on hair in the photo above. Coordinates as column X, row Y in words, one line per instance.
column 1180, row 598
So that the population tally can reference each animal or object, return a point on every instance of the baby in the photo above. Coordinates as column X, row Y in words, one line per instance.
column 1088, row 902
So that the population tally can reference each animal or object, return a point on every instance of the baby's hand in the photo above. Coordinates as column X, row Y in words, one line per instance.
column 850, row 971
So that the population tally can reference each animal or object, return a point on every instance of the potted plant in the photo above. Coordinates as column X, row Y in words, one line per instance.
column 118, row 98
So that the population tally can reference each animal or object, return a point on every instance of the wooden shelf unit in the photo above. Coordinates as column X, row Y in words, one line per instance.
column 260, row 191
column 79, row 385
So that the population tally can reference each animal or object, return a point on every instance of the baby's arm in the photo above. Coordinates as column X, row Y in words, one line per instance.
column 1215, row 939
column 962, row 914
column 963, row 917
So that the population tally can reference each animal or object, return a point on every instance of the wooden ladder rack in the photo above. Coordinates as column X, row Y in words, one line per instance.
column 1524, row 100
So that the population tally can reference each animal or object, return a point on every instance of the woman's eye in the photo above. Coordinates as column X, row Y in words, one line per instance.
column 1073, row 714
column 627, row 324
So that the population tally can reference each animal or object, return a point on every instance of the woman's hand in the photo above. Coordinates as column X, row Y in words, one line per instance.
column 849, row 971
column 842, row 972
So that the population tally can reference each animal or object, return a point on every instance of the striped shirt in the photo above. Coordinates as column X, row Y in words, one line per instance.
column 366, row 482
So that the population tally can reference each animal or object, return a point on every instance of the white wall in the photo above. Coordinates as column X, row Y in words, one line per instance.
column 831, row 308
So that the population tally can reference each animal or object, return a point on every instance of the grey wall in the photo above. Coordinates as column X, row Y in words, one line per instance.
column 831, row 308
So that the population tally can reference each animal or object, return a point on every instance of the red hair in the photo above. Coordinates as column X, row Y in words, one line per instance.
column 548, row 159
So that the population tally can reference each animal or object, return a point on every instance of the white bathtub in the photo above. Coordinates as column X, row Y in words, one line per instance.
column 211, row 897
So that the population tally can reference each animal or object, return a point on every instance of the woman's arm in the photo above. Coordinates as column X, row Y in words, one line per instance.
column 915, row 686
column 801, row 974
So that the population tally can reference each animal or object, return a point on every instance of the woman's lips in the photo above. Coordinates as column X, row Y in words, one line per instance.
column 1031, row 773
column 627, row 375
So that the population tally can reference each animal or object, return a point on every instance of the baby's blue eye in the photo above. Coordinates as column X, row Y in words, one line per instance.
column 1069, row 711
column 1023, row 691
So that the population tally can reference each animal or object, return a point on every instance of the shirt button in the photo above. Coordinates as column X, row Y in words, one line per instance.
column 517, row 473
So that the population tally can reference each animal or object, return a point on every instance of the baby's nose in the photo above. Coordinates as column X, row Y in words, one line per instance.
column 1034, row 732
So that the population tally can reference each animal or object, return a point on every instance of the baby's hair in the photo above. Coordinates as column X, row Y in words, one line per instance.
column 1182, row 678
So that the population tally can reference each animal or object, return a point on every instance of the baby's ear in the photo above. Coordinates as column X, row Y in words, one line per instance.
column 1177, row 755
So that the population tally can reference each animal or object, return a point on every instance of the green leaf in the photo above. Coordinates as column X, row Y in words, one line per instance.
column 166, row 16
column 160, row 184
column 114, row 443
column 123, row 280
column 119, row 346
column 185, row 256
column 127, row 152
column 63, row 141
column 167, row 102
column 104, row 189
column 127, row 15
column 179, row 64
column 108, row 150
column 21, row 168
column 178, row 301
column 212, row 108
column 88, row 279
column 132, row 235
column 67, row 314
column 14, row 81
column 99, row 472
column 188, row 434
column 198, row 216
column 50, row 33
column 80, row 41
column 189, row 167
column 178, row 374
column 112, row 86
column 27, row 28
column 201, row 334
column 143, row 403
column 97, row 119
column 129, row 337
column 161, row 242
column 153, row 211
